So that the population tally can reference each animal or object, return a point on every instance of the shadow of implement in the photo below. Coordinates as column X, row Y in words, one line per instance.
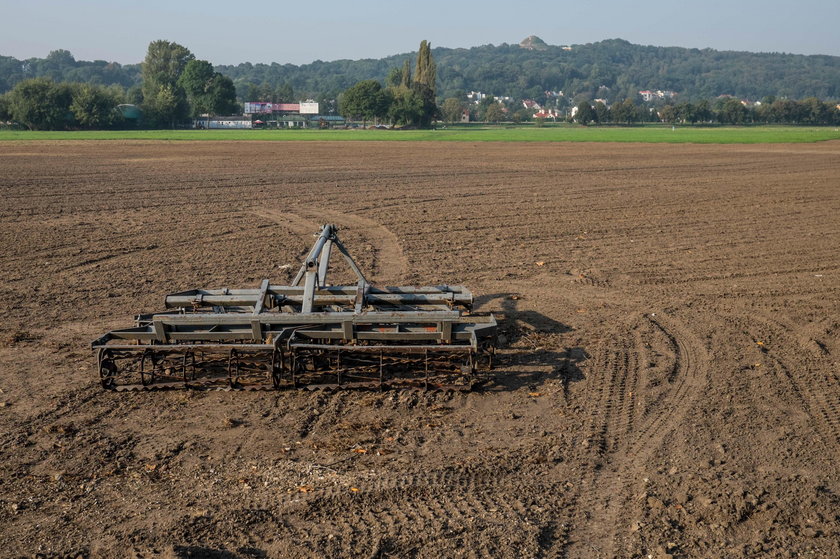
column 526, row 356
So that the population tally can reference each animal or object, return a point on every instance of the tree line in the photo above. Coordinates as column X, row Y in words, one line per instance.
column 810, row 111
column 407, row 100
column 368, row 100
column 61, row 66
column 174, row 87
column 733, row 111
column 171, row 85
column 612, row 70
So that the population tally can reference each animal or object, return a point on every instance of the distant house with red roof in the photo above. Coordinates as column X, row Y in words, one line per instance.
column 547, row 113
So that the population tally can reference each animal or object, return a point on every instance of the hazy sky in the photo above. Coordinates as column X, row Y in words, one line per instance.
column 300, row 32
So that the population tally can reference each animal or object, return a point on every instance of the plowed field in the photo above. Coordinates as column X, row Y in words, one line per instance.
column 668, row 385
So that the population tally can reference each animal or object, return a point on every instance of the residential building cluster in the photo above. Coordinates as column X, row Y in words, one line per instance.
column 477, row 96
column 648, row 95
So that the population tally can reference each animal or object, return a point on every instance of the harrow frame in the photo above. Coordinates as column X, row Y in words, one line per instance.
column 311, row 335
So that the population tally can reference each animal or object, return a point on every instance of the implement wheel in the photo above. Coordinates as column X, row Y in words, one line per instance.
column 275, row 370
column 233, row 368
column 107, row 369
column 148, row 377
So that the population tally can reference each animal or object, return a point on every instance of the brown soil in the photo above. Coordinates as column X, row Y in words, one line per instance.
column 669, row 384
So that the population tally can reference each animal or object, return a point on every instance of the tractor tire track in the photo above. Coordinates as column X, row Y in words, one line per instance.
column 442, row 501
column 609, row 420
column 626, row 448
column 689, row 376
column 818, row 393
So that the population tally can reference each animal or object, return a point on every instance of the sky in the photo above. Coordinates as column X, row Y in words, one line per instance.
column 298, row 32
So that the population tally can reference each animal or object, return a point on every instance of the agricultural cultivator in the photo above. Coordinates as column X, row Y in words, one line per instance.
column 309, row 334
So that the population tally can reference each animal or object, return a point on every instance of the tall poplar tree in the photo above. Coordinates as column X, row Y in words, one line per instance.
column 405, row 76
column 424, row 83
column 425, row 71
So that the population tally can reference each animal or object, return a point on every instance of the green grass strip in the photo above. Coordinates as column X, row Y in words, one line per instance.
column 641, row 134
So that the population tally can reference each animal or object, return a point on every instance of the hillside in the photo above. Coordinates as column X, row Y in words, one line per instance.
column 612, row 69
column 60, row 65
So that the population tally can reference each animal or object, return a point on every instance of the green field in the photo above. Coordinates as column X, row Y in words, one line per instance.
column 644, row 134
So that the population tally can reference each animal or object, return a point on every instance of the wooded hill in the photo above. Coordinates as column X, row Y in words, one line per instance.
column 613, row 70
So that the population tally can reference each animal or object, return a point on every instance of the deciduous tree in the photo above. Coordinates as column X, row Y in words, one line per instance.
column 167, row 105
column 733, row 112
column 394, row 77
column 207, row 91
column 5, row 108
column 668, row 114
column 625, row 112
column 452, row 109
column 365, row 100
column 164, row 64
column 162, row 68
column 485, row 103
column 222, row 95
column 195, row 80
column 602, row 114
column 41, row 104
column 405, row 106
column 585, row 113
column 494, row 113
column 94, row 107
